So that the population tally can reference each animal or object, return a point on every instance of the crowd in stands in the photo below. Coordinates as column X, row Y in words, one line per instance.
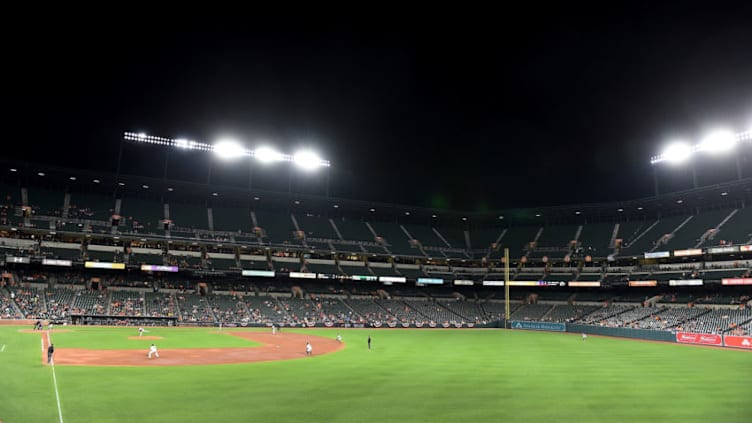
column 65, row 293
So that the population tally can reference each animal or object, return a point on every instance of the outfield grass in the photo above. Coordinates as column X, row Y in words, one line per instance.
column 409, row 376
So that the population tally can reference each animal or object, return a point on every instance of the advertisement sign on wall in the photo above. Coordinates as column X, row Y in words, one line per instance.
column 699, row 338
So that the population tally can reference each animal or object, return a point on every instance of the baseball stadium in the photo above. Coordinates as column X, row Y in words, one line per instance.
column 533, row 213
column 636, row 310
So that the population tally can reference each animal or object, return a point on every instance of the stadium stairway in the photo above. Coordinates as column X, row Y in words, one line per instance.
column 297, row 229
column 336, row 230
column 711, row 233
column 548, row 313
column 529, row 250
column 638, row 238
column 667, row 238
column 614, row 235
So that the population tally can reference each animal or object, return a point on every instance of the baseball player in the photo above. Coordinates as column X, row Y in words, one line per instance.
column 584, row 336
column 308, row 349
column 153, row 351
column 140, row 331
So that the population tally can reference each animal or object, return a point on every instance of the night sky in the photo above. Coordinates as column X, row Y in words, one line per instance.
column 504, row 109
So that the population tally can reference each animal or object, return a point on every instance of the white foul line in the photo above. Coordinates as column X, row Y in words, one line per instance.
column 3, row 348
column 54, row 380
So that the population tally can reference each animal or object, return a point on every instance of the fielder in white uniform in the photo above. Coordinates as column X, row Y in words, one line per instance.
column 308, row 349
column 153, row 351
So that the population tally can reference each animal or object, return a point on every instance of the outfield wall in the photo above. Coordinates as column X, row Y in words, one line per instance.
column 647, row 334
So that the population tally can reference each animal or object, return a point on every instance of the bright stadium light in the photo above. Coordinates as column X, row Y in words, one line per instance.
column 229, row 149
column 307, row 160
column 677, row 152
column 719, row 141
column 267, row 155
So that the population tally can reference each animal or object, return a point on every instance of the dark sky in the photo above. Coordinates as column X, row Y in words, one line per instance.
column 502, row 109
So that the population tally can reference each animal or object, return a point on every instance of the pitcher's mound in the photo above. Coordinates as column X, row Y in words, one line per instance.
column 147, row 338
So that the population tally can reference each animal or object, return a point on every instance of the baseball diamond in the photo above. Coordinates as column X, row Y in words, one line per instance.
column 513, row 375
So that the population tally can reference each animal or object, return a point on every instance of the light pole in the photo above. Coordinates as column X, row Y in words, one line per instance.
column 715, row 143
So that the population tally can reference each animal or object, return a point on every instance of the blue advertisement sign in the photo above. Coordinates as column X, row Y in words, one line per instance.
column 519, row 324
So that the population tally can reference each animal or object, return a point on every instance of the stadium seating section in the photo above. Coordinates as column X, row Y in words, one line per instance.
column 232, row 219
column 141, row 215
column 204, row 243
column 189, row 216
column 91, row 212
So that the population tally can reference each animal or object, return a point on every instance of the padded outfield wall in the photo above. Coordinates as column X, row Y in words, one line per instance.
column 647, row 334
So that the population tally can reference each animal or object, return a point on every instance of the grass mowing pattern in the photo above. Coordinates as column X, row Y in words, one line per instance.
column 410, row 375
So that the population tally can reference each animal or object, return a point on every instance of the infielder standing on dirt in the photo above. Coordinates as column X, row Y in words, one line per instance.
column 308, row 349
column 153, row 351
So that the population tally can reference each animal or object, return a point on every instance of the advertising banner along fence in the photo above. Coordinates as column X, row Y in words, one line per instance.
column 738, row 341
column 699, row 338
column 519, row 324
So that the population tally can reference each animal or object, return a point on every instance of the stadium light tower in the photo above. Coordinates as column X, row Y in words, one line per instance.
column 717, row 142
column 230, row 149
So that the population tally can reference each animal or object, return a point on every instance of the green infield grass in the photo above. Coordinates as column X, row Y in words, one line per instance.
column 408, row 376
